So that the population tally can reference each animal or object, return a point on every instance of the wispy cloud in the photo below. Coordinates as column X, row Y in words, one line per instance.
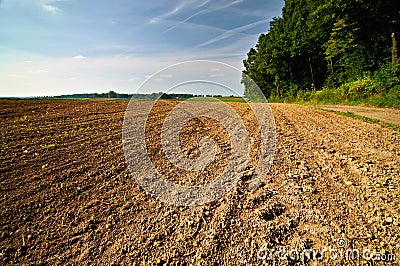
column 125, row 51
column 186, row 20
column 231, row 4
column 168, row 14
column 232, row 32
column 45, row 5
column 204, row 11
column 203, row 3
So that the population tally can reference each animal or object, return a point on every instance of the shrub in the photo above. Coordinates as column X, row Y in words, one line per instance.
column 387, row 77
column 358, row 89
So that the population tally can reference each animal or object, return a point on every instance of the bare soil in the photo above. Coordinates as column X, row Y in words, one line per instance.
column 67, row 196
column 384, row 114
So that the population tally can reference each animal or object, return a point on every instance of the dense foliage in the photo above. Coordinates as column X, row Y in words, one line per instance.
column 328, row 44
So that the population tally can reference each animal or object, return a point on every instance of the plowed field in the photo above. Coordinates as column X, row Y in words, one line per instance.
column 67, row 196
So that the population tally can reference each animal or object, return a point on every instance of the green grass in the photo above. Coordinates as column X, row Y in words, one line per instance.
column 232, row 99
column 377, row 102
column 214, row 99
column 365, row 119
column 76, row 99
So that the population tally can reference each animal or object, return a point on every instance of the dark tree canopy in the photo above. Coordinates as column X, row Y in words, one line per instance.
column 323, row 43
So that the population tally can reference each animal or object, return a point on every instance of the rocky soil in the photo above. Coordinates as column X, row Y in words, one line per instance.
column 67, row 196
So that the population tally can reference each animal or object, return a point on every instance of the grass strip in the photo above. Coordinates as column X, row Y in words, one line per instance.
column 363, row 118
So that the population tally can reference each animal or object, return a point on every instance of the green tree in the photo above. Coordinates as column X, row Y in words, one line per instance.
column 112, row 94
column 343, row 53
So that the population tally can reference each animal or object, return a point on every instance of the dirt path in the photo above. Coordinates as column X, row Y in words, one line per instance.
column 384, row 114
column 67, row 196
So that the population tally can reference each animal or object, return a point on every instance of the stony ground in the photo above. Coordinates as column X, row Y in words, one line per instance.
column 387, row 115
column 67, row 196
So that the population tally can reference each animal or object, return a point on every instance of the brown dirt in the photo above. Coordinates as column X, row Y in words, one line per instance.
column 384, row 114
column 67, row 196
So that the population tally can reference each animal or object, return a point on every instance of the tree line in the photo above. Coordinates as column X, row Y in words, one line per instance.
column 136, row 96
column 324, row 44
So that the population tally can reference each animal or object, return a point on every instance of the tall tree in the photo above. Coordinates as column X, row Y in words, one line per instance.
column 343, row 53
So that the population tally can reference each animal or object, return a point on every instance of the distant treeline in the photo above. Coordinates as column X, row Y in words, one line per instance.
column 137, row 96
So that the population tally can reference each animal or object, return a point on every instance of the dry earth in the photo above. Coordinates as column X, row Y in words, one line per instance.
column 67, row 196
column 384, row 114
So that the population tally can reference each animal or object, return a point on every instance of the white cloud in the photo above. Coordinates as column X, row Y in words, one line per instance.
column 153, row 20
column 78, row 57
column 28, row 61
column 50, row 8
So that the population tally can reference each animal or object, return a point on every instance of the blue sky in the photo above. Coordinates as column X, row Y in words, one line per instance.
column 50, row 47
